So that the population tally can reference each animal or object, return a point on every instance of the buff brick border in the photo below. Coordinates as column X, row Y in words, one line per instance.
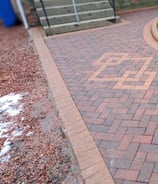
column 91, row 163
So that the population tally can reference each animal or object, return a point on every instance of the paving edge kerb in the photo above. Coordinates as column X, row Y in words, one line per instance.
column 91, row 163
column 154, row 29
column 148, row 32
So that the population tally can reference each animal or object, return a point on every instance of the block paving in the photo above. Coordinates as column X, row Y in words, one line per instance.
column 112, row 75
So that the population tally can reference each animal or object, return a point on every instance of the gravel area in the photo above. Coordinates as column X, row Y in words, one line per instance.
column 33, row 146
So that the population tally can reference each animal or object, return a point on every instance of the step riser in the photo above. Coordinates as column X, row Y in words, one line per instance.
column 49, row 3
column 68, row 19
column 69, row 9
column 65, row 29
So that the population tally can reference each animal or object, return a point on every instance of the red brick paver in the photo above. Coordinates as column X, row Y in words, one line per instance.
column 112, row 75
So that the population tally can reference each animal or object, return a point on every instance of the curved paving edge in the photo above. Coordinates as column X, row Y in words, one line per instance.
column 150, row 34
column 92, row 166
column 120, row 12
column 154, row 29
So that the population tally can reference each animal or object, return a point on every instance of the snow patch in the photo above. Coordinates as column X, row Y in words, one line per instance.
column 4, row 129
column 17, row 132
column 22, row 119
column 5, row 148
column 29, row 134
column 8, row 131
column 10, row 106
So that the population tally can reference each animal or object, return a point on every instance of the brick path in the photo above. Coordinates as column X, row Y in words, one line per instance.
column 112, row 75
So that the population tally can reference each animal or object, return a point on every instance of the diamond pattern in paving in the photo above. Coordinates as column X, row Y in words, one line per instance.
column 112, row 75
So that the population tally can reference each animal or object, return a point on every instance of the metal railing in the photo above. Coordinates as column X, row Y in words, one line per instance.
column 112, row 3
column 45, row 12
column 75, row 10
column 47, row 19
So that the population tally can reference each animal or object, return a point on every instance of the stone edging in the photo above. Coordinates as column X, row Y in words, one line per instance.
column 91, row 163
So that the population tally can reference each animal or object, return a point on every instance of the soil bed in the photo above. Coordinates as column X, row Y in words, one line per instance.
column 33, row 147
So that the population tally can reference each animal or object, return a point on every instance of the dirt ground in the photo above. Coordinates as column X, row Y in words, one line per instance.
column 33, row 146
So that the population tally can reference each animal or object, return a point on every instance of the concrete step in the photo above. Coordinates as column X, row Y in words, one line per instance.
column 60, row 13
column 73, row 26
column 68, row 18
column 64, row 9
column 49, row 3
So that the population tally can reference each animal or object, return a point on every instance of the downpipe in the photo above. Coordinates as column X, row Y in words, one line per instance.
column 23, row 16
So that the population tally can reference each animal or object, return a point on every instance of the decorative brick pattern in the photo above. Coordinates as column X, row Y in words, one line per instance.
column 112, row 76
column 110, row 61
